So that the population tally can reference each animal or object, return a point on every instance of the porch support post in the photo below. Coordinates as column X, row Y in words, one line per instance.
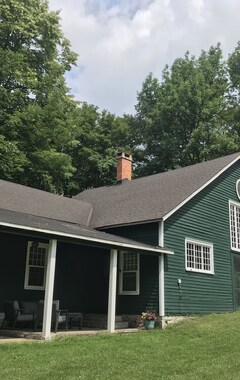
column 161, row 286
column 161, row 291
column 47, row 313
column 112, row 291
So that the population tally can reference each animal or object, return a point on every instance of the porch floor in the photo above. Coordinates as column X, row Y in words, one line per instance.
column 7, row 336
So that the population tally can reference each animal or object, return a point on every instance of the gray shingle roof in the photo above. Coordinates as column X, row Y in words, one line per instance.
column 25, row 208
column 63, row 230
column 27, row 200
column 152, row 197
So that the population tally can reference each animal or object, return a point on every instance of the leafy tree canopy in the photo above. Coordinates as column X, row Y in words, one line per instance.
column 186, row 118
column 50, row 141
column 36, row 110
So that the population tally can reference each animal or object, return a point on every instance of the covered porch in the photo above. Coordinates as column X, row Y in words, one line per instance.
column 81, row 267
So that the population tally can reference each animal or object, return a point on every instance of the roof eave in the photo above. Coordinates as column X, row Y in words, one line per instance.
column 165, row 217
column 111, row 244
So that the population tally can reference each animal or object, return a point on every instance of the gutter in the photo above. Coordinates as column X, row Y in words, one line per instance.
column 85, row 238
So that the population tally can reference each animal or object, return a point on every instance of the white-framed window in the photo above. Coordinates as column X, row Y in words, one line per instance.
column 36, row 263
column 234, row 215
column 199, row 256
column 129, row 273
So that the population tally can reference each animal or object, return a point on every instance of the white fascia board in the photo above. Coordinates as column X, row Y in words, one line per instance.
column 200, row 189
column 85, row 238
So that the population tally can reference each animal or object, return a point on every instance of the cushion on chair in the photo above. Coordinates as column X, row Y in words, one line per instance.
column 15, row 305
column 10, row 310
column 62, row 318
column 25, row 317
column 28, row 307
column 56, row 302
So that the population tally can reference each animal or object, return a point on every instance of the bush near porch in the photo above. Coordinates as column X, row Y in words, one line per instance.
column 202, row 348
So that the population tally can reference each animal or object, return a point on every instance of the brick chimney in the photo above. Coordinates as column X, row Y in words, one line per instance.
column 124, row 166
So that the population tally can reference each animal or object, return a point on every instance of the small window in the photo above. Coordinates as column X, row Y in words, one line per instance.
column 235, row 226
column 36, row 266
column 129, row 273
column 199, row 256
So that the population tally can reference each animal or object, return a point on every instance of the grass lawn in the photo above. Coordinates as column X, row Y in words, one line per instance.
column 203, row 348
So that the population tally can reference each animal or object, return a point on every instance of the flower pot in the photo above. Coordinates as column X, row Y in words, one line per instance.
column 149, row 325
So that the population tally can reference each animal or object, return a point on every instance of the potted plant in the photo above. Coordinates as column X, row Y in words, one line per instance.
column 149, row 318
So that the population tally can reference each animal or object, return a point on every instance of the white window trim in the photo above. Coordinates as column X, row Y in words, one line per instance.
column 202, row 243
column 124, row 292
column 31, row 287
column 237, row 204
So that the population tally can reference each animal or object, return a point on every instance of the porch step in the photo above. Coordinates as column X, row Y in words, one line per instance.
column 100, row 321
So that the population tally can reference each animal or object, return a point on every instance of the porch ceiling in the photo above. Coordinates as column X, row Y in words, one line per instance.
column 62, row 230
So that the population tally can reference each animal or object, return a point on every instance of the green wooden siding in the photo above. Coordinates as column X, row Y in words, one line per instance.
column 206, row 218
column 81, row 276
column 145, row 233
column 13, row 254
column 148, row 297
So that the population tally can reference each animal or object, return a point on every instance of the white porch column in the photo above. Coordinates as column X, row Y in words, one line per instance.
column 161, row 292
column 47, row 314
column 112, row 291
column 161, row 286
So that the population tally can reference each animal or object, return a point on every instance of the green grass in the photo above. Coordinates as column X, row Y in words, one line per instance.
column 203, row 348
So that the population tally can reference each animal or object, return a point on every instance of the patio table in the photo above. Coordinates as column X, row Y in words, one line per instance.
column 74, row 318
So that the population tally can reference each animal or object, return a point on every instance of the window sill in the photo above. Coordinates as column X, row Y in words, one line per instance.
column 200, row 271
column 34, row 287
column 128, row 294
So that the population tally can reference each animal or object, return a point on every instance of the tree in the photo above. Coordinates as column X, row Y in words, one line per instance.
column 36, row 114
column 234, row 92
column 100, row 135
column 184, row 119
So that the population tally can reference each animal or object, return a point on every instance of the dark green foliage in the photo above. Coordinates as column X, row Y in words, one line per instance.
column 99, row 136
column 49, row 141
column 186, row 118
column 36, row 111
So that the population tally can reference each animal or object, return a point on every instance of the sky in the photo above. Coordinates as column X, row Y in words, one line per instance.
column 119, row 42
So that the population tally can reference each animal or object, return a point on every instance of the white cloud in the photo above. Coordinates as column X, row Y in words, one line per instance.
column 120, row 41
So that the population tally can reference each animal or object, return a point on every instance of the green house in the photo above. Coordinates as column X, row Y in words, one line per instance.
column 168, row 242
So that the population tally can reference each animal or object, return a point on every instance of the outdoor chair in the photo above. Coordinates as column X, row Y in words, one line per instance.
column 58, row 316
column 13, row 314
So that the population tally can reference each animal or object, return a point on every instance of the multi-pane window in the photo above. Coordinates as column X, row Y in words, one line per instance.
column 129, row 273
column 235, row 226
column 36, row 265
column 199, row 256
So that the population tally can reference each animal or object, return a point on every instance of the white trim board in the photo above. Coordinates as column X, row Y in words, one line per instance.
column 85, row 238
column 200, row 188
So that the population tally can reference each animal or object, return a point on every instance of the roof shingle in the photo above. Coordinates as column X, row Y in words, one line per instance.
column 23, row 199
column 153, row 197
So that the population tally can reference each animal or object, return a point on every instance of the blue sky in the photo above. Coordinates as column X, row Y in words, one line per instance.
column 120, row 41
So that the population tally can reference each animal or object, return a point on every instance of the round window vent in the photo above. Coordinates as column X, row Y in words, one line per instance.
column 238, row 188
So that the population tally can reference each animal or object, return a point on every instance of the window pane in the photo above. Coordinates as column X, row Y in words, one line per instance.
column 37, row 256
column 235, row 226
column 232, row 223
column 190, row 255
column 206, row 258
column 130, row 261
column 129, row 281
column 36, row 276
column 199, row 257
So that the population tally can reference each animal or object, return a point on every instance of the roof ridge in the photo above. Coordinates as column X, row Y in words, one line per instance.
column 167, row 172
